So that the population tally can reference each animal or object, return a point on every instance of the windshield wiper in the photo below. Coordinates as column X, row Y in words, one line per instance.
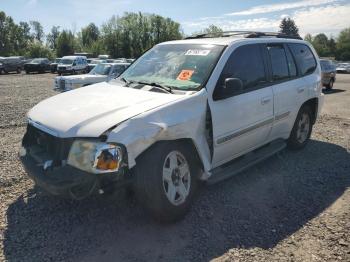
column 163, row 87
column 126, row 81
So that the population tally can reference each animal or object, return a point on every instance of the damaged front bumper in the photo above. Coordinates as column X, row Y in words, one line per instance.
column 68, row 181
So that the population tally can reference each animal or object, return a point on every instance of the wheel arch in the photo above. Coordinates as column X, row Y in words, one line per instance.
column 185, row 141
column 313, row 105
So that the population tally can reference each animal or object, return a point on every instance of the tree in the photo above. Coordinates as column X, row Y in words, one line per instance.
column 65, row 43
column 38, row 31
column 343, row 45
column 134, row 33
column 36, row 49
column 212, row 29
column 90, row 34
column 289, row 27
column 321, row 44
column 308, row 37
column 53, row 36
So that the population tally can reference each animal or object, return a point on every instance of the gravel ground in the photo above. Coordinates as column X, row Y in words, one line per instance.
column 293, row 207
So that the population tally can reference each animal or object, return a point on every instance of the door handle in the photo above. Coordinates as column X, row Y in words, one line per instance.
column 301, row 89
column 265, row 100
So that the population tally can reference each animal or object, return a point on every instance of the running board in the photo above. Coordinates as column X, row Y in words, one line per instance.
column 242, row 163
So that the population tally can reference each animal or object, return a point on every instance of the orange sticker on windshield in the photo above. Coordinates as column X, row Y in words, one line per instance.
column 185, row 75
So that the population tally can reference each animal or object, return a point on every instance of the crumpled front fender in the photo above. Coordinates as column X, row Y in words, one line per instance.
column 182, row 119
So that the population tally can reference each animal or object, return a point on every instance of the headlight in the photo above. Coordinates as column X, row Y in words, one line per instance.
column 95, row 157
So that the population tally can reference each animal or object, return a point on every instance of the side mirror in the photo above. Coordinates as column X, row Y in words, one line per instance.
column 74, row 64
column 232, row 87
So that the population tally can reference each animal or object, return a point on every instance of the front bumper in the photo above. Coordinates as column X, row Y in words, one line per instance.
column 64, row 71
column 71, row 182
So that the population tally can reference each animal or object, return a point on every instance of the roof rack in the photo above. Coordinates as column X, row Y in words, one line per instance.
column 248, row 34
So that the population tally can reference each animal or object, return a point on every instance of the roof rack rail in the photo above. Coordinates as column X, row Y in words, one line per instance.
column 248, row 34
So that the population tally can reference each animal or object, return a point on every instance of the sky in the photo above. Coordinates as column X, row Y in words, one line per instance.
column 311, row 16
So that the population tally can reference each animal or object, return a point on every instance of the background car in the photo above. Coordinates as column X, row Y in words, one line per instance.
column 39, row 65
column 92, row 62
column 53, row 65
column 102, row 72
column 11, row 64
column 329, row 73
column 72, row 65
column 343, row 68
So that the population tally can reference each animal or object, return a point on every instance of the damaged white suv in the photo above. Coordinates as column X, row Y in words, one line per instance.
column 185, row 111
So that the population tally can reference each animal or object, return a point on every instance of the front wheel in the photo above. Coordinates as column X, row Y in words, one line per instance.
column 19, row 70
column 302, row 129
column 330, row 85
column 167, row 179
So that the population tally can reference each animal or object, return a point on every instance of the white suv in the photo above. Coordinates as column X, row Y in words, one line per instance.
column 185, row 111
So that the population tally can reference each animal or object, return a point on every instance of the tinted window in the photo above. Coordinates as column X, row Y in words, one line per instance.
column 245, row 63
column 291, row 63
column 304, row 57
column 278, row 62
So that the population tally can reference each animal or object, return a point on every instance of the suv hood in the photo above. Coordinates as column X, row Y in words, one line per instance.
column 92, row 110
column 78, row 78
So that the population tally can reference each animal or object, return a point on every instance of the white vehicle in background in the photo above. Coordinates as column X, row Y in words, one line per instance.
column 343, row 68
column 92, row 62
column 101, row 73
column 203, row 108
column 72, row 65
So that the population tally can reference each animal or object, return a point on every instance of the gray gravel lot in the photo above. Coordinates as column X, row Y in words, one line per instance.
column 293, row 207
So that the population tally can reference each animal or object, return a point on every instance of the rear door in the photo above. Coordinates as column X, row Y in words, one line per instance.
column 286, row 87
column 244, row 121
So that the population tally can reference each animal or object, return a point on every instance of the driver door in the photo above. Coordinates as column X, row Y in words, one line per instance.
column 243, row 121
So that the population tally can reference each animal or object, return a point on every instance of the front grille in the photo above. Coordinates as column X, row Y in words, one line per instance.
column 46, row 146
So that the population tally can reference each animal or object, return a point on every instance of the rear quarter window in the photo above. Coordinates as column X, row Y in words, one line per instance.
column 305, row 59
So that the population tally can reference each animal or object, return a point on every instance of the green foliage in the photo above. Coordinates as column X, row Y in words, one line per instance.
column 289, row 27
column 212, row 29
column 343, row 45
column 134, row 33
column 38, row 31
column 36, row 50
column 65, row 43
column 89, row 35
column 128, row 36
column 52, row 37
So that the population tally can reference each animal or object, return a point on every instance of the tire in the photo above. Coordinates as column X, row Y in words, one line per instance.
column 330, row 85
column 27, row 72
column 159, row 180
column 302, row 129
column 19, row 70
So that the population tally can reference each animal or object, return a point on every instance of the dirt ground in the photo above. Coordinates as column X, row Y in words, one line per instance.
column 294, row 206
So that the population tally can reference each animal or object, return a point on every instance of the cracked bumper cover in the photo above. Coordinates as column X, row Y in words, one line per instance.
column 69, row 181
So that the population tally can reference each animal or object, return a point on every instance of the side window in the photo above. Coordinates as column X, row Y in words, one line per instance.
column 245, row 63
column 279, row 62
column 304, row 57
column 291, row 64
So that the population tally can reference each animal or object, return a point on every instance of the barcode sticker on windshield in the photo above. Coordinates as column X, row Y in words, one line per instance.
column 198, row 52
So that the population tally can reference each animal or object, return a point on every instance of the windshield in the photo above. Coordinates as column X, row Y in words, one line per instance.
column 180, row 66
column 57, row 60
column 325, row 64
column 37, row 60
column 66, row 61
column 101, row 69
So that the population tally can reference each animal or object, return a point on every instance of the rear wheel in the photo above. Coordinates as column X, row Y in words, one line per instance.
column 166, row 180
column 302, row 129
